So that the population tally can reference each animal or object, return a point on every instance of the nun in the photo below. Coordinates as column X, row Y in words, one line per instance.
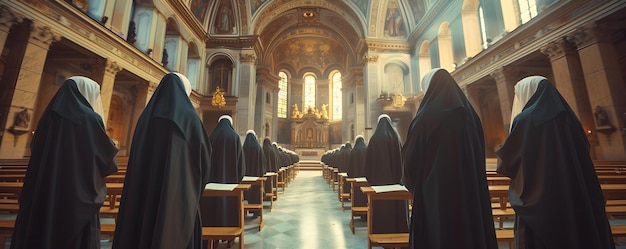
column 444, row 165
column 255, row 166
column 553, row 179
column 227, row 166
column 383, row 166
column 70, row 154
column 356, row 168
column 168, row 168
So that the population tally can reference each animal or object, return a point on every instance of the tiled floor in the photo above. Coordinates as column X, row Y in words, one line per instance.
column 308, row 215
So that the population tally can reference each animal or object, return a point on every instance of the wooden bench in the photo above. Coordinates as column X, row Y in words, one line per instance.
column 269, row 193
column 356, row 210
column 385, row 240
column 226, row 233
column 260, row 182
column 341, row 193
column 501, row 214
column 507, row 235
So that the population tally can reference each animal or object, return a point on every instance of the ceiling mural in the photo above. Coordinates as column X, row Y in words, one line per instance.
column 199, row 9
column 418, row 9
column 310, row 52
column 394, row 22
column 254, row 5
column 224, row 18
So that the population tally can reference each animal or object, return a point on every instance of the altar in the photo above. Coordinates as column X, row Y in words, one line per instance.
column 310, row 130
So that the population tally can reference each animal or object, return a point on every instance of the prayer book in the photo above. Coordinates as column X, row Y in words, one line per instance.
column 221, row 186
column 389, row 188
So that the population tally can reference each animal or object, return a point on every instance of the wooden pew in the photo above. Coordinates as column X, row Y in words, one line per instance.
column 226, row 233
column 387, row 240
column 355, row 185
column 340, row 193
column 272, row 194
column 260, row 182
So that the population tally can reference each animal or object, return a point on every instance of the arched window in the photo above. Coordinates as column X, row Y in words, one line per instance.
column 336, row 105
column 221, row 72
column 527, row 9
column 309, row 92
column 282, row 95
column 483, row 30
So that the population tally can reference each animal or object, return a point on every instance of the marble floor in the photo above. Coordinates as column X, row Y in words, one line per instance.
column 308, row 215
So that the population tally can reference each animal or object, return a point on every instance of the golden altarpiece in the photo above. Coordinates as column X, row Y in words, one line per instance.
column 310, row 129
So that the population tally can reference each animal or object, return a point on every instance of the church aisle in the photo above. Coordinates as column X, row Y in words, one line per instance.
column 307, row 215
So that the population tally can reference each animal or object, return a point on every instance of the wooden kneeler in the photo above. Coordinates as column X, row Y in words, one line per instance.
column 260, row 182
column 226, row 233
column 385, row 240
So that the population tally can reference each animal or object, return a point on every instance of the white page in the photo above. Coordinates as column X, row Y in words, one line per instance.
column 389, row 188
column 221, row 186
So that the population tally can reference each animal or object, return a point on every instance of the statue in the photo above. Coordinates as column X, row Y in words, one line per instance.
column 218, row 98
column 324, row 112
column 295, row 113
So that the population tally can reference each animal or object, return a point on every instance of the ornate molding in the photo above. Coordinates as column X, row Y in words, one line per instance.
column 8, row 17
column 247, row 58
column 235, row 42
column 112, row 67
column 43, row 33
column 557, row 49
column 388, row 46
column 371, row 58
column 503, row 74
column 590, row 34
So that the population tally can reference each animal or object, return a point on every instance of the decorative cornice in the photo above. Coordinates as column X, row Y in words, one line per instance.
column 184, row 13
column 388, row 46
column 591, row 33
column 234, row 42
column 112, row 67
column 8, row 17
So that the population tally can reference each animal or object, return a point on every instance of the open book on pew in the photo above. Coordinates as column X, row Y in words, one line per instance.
column 221, row 186
column 389, row 188
column 249, row 178
column 360, row 179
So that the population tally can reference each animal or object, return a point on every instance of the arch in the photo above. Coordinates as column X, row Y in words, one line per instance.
column 221, row 72
column 446, row 55
column 396, row 77
column 308, row 90
column 171, row 45
column 424, row 61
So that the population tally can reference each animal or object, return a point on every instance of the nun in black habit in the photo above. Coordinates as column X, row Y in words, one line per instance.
column 64, row 185
column 356, row 169
column 383, row 166
column 344, row 157
column 554, row 187
column 255, row 165
column 444, row 165
column 227, row 166
column 168, row 168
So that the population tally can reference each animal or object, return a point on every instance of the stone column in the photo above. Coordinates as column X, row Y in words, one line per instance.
column 570, row 81
column 360, row 122
column 473, row 96
column 505, row 82
column 106, row 78
column 372, row 91
column 28, row 53
column 247, row 93
column 605, row 85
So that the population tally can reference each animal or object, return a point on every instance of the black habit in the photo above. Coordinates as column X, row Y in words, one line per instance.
column 227, row 166
column 444, row 164
column 383, row 166
column 554, row 187
column 168, row 168
column 255, row 165
column 64, row 185
column 356, row 169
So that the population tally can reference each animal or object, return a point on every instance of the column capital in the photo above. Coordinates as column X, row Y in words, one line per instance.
column 371, row 59
column 247, row 59
column 112, row 67
column 503, row 74
column 591, row 33
column 44, row 34
column 558, row 49
column 8, row 17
